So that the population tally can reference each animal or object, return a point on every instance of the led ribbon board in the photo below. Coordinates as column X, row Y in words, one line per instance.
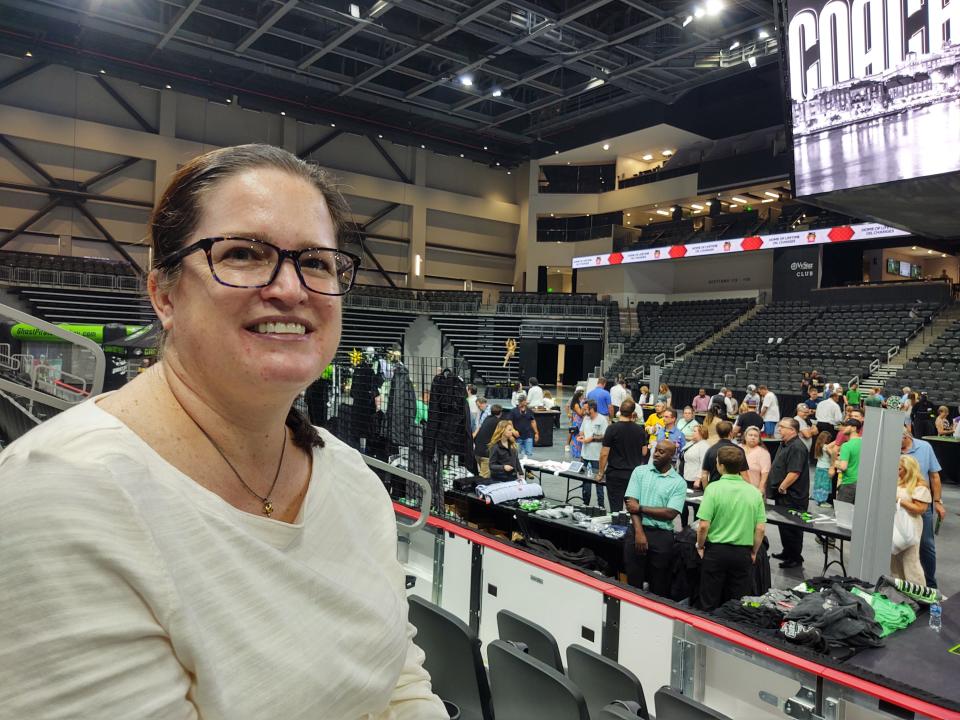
column 843, row 233
column 874, row 91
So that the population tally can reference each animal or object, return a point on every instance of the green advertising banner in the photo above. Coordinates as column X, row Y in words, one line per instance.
column 28, row 333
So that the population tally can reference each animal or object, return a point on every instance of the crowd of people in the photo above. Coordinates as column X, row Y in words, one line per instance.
column 645, row 454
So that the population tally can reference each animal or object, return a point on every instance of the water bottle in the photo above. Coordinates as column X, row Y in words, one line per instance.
column 936, row 617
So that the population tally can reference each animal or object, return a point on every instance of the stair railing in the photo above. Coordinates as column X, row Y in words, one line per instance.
column 892, row 352
column 678, row 349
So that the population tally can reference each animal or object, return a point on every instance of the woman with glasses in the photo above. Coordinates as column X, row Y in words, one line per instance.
column 190, row 546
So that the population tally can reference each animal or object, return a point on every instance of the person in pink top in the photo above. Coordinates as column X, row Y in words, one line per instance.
column 758, row 460
column 701, row 403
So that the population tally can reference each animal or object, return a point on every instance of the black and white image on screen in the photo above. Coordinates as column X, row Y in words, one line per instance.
column 875, row 91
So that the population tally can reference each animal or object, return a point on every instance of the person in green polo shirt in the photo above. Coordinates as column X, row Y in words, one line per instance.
column 854, row 396
column 655, row 496
column 848, row 462
column 732, row 522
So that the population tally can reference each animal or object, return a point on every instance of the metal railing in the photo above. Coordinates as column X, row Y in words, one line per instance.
column 660, row 359
column 892, row 352
column 69, row 279
column 678, row 349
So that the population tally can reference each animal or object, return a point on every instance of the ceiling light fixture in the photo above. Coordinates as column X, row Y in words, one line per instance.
column 606, row 146
column 735, row 45
column 333, row 124
column 663, row 212
column 28, row 54
column 498, row 164
column 484, row 147
column 713, row 7
column 378, row 7
column 739, row 200
column 628, row 214
column 648, row 157
column 696, row 206
column 667, row 153
column 282, row 112
column 914, row 247
column 509, row 173
column 752, row 61
column 229, row 101
column 380, row 136
column 943, row 255
column 168, row 86
column 423, row 147
column 354, row 11
column 768, row 200
column 687, row 20
column 595, row 83
column 556, row 152
column 466, row 80
column 929, row 252
column 497, row 93
column 770, row 193
column 102, row 71
column 699, row 12
column 461, row 154
column 763, row 34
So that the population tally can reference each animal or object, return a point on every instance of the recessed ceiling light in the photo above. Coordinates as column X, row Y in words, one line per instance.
column 498, row 164
column 509, row 173
column 461, row 154
column 229, row 101
column 771, row 194
column 551, row 214
column 648, row 157
column 168, row 86
column 466, row 80
column 667, row 153
column 102, row 71
column 423, row 147
column 497, row 93
column 333, row 124
column 282, row 112
column 28, row 54
column 380, row 136
column 484, row 147
column 606, row 146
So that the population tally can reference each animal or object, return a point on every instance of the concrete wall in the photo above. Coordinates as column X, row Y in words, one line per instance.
column 68, row 124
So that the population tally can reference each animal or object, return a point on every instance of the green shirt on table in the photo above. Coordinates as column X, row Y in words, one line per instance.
column 651, row 488
column 854, row 397
column 850, row 452
column 734, row 508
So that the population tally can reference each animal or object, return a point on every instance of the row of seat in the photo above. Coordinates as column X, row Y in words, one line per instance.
column 527, row 679
column 65, row 263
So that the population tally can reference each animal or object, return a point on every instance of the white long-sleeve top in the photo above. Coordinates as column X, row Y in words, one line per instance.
column 127, row 590
column 829, row 411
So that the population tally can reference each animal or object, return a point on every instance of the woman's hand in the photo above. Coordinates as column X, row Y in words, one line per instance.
column 508, row 468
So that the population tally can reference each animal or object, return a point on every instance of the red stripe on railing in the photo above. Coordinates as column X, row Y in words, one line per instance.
column 71, row 388
column 700, row 623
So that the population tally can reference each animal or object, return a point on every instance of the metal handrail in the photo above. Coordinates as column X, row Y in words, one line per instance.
column 892, row 352
column 427, row 497
column 875, row 365
column 678, row 348
column 660, row 359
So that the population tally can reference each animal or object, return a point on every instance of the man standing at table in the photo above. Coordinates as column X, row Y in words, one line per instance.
column 701, row 403
column 592, row 431
column 789, row 480
column 655, row 496
column 922, row 452
column 732, row 523
column 624, row 448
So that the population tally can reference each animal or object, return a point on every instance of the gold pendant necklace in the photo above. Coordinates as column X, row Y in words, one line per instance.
column 264, row 499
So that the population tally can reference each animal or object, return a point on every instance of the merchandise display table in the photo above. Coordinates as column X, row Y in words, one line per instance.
column 823, row 524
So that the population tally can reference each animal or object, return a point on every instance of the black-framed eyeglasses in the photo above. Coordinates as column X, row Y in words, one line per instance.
column 249, row 263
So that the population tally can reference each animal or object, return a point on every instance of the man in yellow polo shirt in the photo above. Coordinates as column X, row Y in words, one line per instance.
column 655, row 496
column 732, row 522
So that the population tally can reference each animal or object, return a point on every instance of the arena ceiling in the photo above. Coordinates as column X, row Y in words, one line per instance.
column 492, row 79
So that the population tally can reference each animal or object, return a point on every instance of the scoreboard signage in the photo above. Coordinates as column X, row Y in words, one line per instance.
column 823, row 236
column 874, row 91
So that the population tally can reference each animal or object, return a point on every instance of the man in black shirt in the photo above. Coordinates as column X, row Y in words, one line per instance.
column 481, row 440
column 789, row 481
column 525, row 424
column 709, row 471
column 624, row 448
column 751, row 418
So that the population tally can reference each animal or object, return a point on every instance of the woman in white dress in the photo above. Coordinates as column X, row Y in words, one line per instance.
column 913, row 495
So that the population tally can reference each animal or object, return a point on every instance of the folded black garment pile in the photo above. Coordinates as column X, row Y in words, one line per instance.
column 764, row 618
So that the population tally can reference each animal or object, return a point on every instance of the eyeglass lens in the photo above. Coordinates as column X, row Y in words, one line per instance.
column 244, row 263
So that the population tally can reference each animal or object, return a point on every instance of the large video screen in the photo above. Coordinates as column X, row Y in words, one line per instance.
column 874, row 90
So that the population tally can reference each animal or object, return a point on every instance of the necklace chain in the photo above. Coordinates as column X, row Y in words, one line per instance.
column 265, row 499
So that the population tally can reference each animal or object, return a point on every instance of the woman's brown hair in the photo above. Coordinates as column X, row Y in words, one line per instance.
column 177, row 215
